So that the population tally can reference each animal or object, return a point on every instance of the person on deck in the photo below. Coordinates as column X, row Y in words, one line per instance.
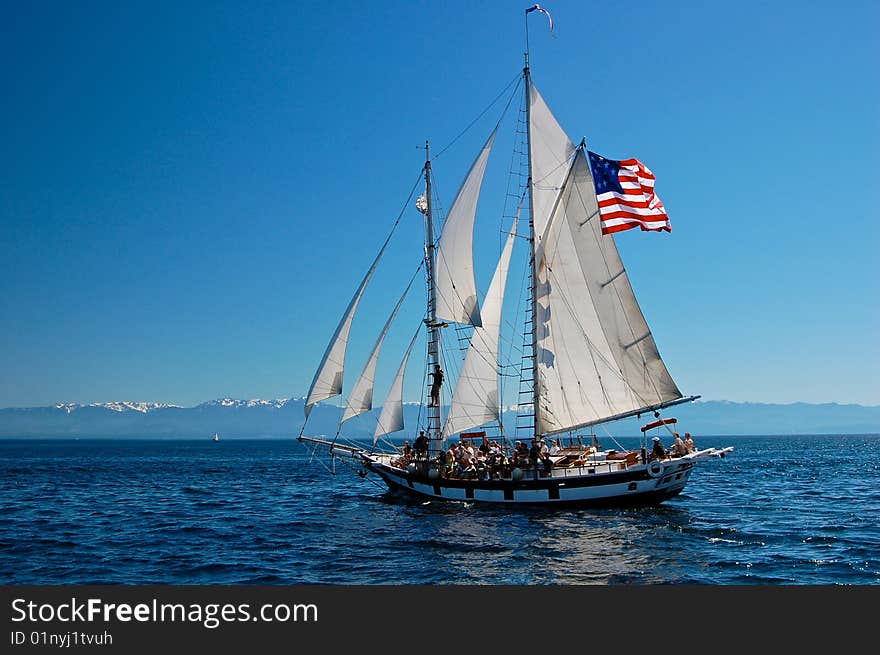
column 689, row 442
column 466, row 450
column 678, row 447
column 658, row 452
column 534, row 453
column 421, row 444
column 451, row 458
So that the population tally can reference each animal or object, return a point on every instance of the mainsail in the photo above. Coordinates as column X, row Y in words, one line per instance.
column 361, row 398
column 475, row 400
column 328, row 378
column 596, row 357
column 456, row 288
column 391, row 417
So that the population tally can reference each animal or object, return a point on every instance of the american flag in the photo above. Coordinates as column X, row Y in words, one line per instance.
column 625, row 190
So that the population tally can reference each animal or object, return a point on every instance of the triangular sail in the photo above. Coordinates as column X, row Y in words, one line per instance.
column 328, row 378
column 596, row 357
column 551, row 152
column 475, row 400
column 391, row 417
column 361, row 398
column 456, row 288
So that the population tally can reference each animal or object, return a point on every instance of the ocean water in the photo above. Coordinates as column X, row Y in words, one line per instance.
column 779, row 510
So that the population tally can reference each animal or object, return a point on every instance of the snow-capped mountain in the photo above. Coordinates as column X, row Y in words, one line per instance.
column 116, row 406
column 256, row 402
column 284, row 417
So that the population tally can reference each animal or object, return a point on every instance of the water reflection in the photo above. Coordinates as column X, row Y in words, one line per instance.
column 467, row 543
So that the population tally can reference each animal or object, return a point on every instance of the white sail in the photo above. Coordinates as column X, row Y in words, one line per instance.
column 551, row 152
column 361, row 398
column 328, row 378
column 596, row 357
column 391, row 417
column 456, row 288
column 475, row 399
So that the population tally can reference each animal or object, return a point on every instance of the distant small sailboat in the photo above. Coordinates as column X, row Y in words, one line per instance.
column 216, row 437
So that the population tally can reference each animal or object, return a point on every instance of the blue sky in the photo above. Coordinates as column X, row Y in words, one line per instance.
column 191, row 192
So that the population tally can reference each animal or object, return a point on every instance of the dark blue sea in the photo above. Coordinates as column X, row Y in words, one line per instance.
column 780, row 510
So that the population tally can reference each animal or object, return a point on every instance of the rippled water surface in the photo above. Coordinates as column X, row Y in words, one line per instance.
column 783, row 509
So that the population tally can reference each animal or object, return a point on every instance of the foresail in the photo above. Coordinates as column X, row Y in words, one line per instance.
column 551, row 152
column 596, row 357
column 475, row 400
column 456, row 288
column 361, row 397
column 328, row 378
column 391, row 417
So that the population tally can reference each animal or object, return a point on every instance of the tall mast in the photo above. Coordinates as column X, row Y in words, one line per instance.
column 536, row 406
column 433, row 414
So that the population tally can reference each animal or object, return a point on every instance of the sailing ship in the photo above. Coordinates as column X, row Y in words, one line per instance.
column 216, row 437
column 588, row 356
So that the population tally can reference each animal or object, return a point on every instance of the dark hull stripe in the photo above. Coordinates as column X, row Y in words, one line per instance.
column 578, row 482
column 644, row 499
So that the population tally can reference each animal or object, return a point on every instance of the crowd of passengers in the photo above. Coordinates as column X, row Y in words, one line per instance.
column 488, row 461
column 491, row 461
column 679, row 447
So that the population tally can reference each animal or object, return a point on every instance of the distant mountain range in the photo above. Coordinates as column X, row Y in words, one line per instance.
column 284, row 418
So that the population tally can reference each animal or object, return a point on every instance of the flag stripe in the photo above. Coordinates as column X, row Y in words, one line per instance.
column 631, row 212
column 611, row 229
column 624, row 205
column 656, row 225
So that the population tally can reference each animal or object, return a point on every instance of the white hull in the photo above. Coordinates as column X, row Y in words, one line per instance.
column 611, row 483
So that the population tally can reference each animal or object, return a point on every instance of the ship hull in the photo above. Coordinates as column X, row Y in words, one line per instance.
column 628, row 488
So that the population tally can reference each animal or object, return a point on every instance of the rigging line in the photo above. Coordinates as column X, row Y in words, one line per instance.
column 441, row 259
column 564, row 350
column 516, row 80
column 451, row 364
column 483, row 345
column 445, row 264
column 354, row 443
column 566, row 162
column 424, row 386
column 313, row 449
column 604, row 426
column 379, row 420
column 393, row 315
column 594, row 349
column 501, row 335
column 506, row 360
column 519, row 138
column 594, row 352
column 387, row 240
column 390, row 444
column 480, row 333
column 612, row 366
column 446, row 392
column 371, row 481
column 591, row 216
column 514, row 325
